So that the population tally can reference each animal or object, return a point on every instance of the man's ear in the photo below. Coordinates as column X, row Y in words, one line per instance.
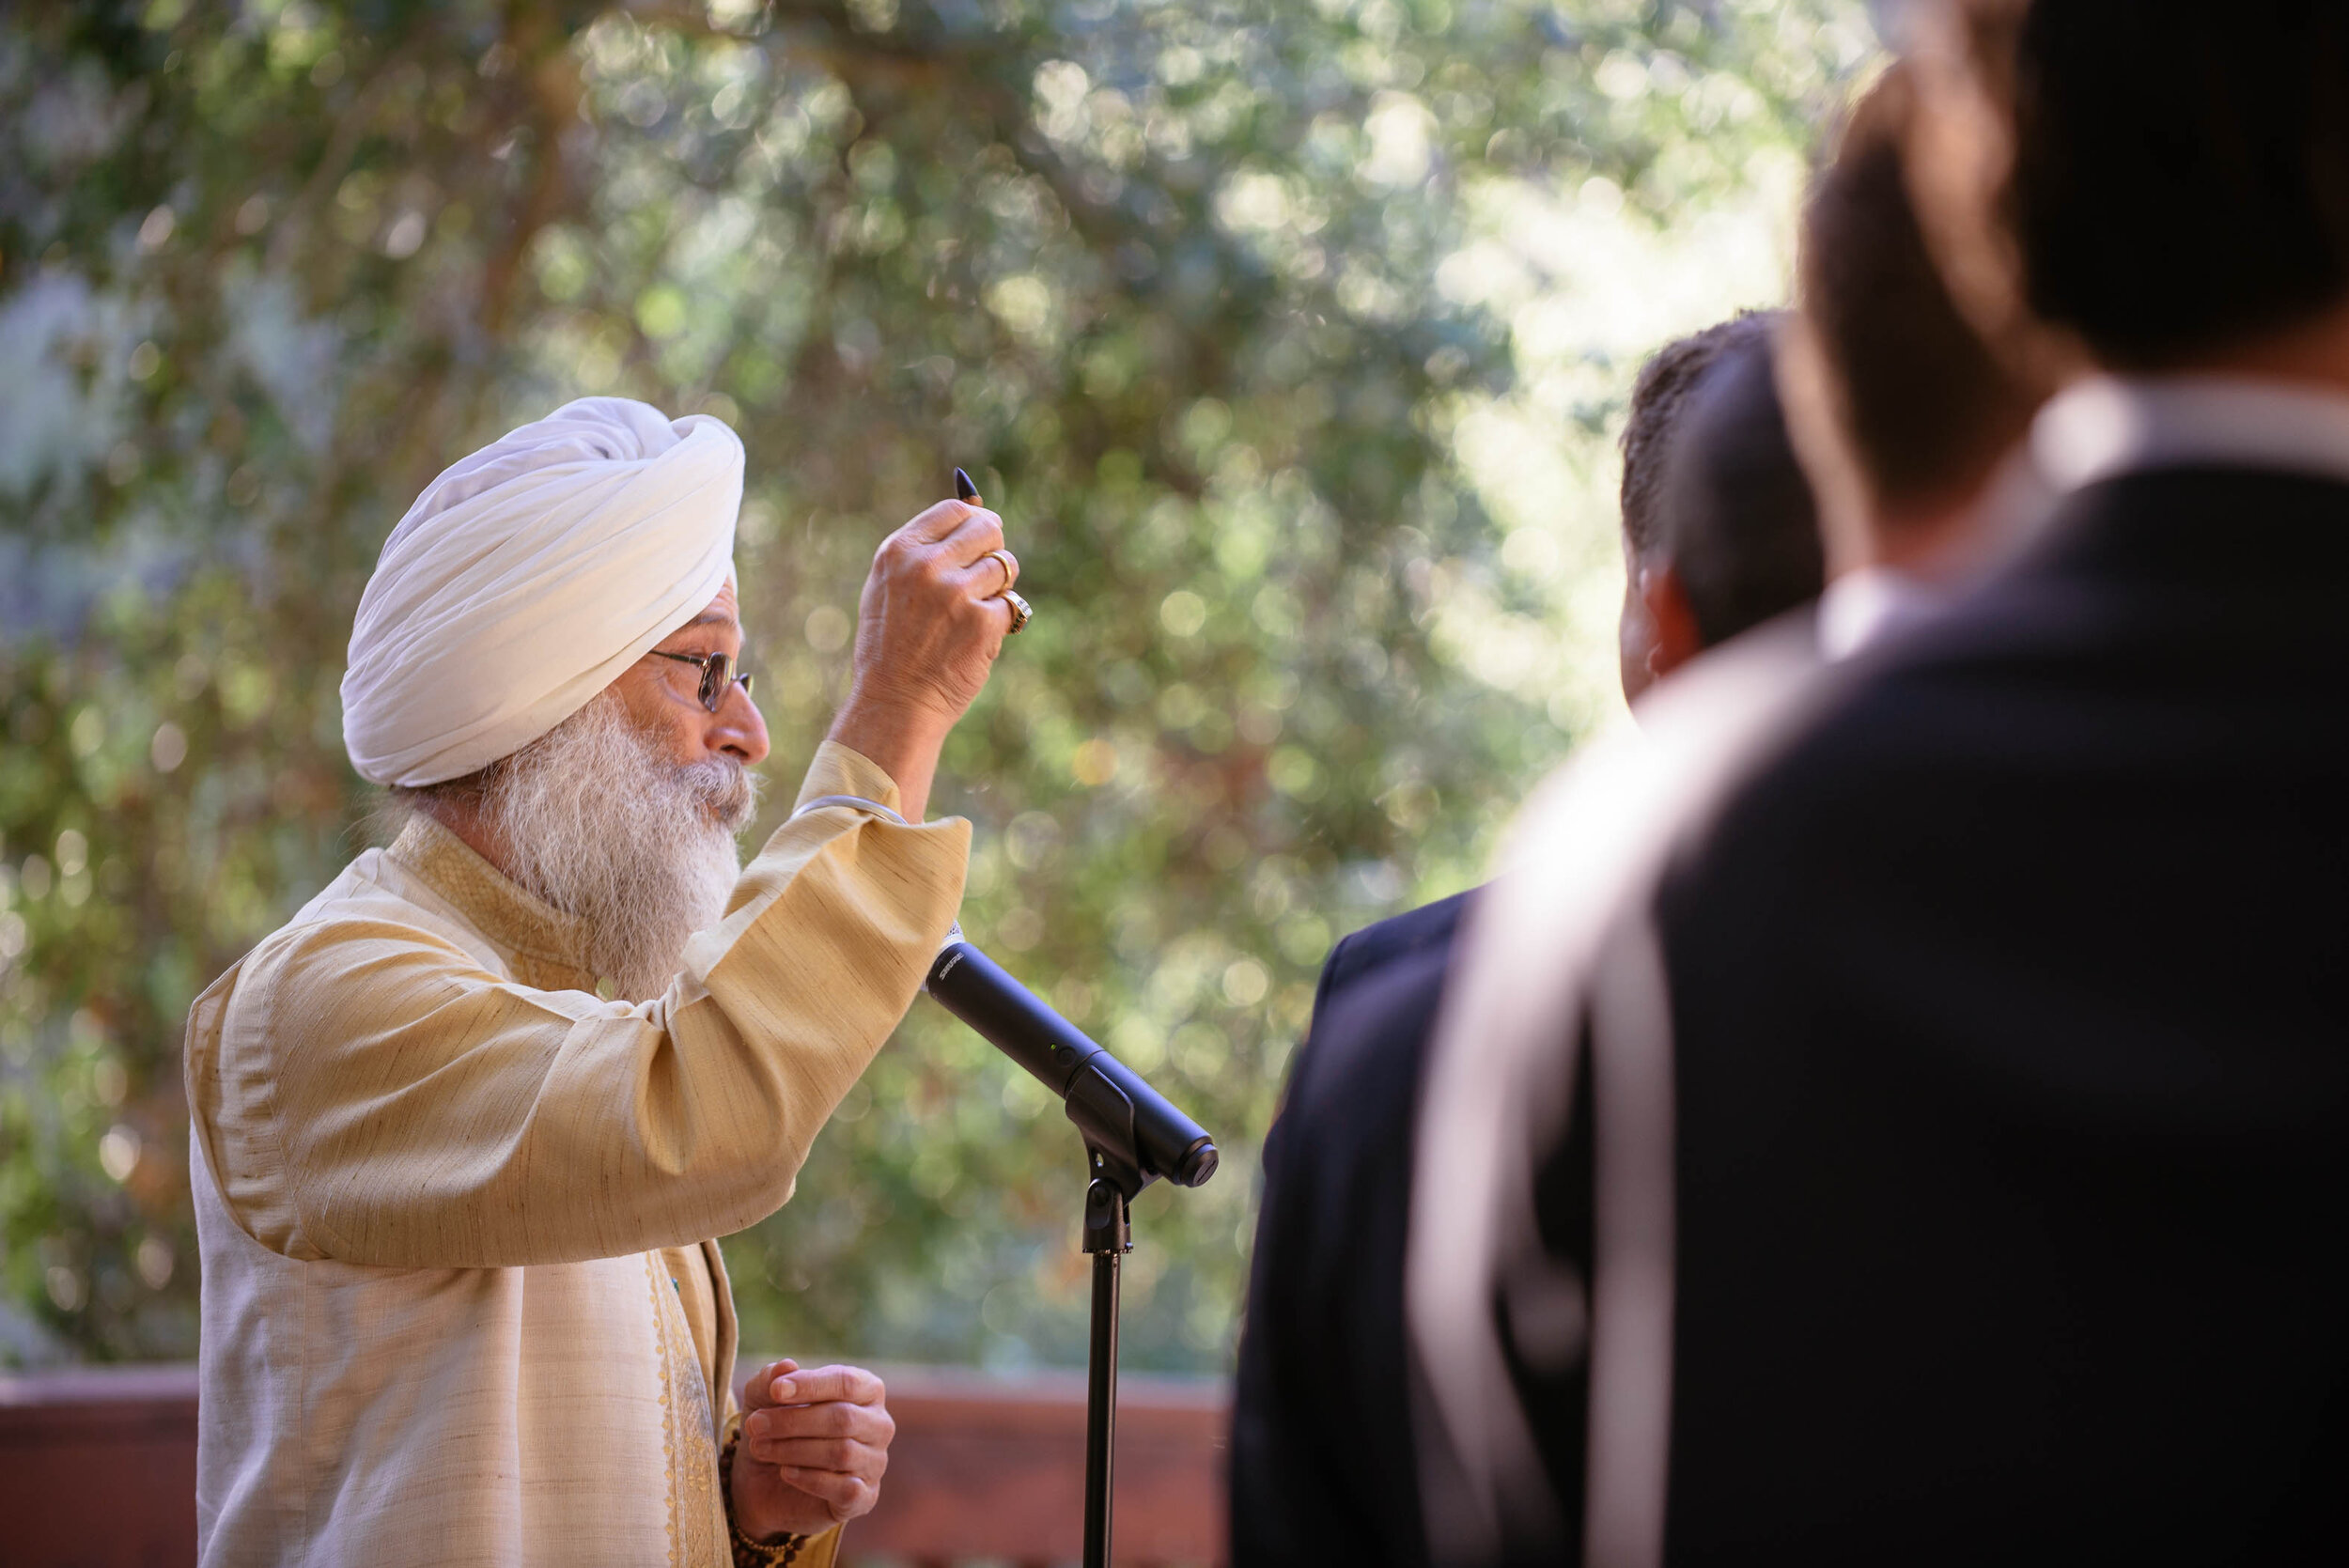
column 1678, row 640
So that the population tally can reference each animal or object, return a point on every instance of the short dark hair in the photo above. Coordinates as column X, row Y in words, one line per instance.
column 1658, row 398
column 1928, row 409
column 2180, row 177
column 1738, row 519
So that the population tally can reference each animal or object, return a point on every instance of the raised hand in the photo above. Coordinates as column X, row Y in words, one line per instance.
column 929, row 625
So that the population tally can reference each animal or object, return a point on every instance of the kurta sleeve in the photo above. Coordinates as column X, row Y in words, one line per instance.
column 371, row 1092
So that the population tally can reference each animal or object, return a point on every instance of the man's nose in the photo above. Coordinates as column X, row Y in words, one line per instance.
column 739, row 729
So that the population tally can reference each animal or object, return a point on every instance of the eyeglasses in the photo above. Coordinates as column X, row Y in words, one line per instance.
column 717, row 675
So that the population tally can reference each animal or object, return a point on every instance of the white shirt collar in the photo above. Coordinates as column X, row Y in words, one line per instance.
column 1871, row 602
column 2113, row 425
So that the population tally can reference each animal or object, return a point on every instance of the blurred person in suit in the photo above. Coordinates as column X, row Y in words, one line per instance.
column 1322, row 1467
column 1965, row 1064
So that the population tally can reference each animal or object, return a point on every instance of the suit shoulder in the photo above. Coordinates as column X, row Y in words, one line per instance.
column 1372, row 1040
column 1384, row 941
column 1964, row 719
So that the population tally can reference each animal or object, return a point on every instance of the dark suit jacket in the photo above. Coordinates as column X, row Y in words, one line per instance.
column 1322, row 1466
column 2011, row 1016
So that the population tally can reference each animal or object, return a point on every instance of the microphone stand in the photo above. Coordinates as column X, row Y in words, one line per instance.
column 1131, row 1136
column 1108, row 1236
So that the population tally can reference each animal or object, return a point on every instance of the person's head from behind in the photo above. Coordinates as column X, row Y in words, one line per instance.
column 1686, row 541
column 1740, row 542
column 1719, row 531
column 1901, row 413
column 2163, row 183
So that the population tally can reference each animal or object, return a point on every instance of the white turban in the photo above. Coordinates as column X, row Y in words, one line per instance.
column 528, row 576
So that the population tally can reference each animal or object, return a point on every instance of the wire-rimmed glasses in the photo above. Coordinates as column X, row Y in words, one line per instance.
column 717, row 675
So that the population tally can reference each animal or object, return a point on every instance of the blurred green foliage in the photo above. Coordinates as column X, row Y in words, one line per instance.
column 1225, row 303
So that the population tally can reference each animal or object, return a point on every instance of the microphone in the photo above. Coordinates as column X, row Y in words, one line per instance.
column 1117, row 1113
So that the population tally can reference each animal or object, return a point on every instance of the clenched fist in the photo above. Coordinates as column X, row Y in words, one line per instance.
column 813, row 1448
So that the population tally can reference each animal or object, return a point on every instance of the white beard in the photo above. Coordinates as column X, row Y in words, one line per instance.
column 597, row 823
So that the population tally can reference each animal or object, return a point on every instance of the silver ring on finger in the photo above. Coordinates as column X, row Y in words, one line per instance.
column 1011, row 567
column 1020, row 613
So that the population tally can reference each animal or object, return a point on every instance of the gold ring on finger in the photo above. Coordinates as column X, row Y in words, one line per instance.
column 1020, row 612
column 1011, row 568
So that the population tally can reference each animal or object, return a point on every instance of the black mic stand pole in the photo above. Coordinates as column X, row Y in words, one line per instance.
column 1108, row 1236
column 1132, row 1137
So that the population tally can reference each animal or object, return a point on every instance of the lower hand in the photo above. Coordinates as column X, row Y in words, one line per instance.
column 813, row 1448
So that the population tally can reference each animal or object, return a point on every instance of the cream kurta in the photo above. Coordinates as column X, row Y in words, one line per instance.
column 457, row 1302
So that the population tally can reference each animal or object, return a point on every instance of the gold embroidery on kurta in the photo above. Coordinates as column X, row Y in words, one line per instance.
column 668, row 1406
column 689, row 1432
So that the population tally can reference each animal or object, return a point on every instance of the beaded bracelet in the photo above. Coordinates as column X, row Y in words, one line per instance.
column 747, row 1552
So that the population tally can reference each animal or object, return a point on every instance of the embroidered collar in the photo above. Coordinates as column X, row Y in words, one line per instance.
column 511, row 916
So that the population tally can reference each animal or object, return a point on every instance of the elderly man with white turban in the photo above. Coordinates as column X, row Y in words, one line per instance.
column 464, row 1126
